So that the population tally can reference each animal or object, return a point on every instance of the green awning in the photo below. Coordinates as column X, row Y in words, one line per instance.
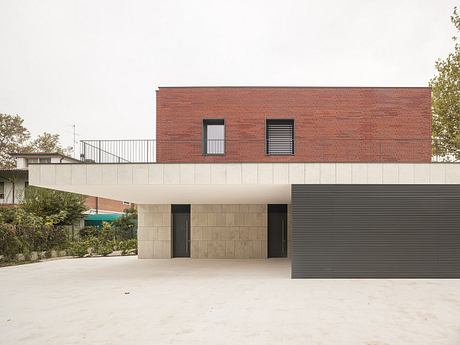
column 109, row 217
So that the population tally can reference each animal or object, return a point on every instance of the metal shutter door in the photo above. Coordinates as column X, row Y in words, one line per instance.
column 376, row 231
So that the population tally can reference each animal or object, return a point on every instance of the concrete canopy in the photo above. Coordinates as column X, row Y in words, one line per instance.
column 186, row 194
column 252, row 183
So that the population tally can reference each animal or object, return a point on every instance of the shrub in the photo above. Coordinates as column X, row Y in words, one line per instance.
column 22, row 233
column 89, row 231
column 128, row 247
column 105, row 248
column 106, row 234
column 42, row 238
column 22, row 239
column 78, row 248
column 54, row 207
column 10, row 243
column 125, row 228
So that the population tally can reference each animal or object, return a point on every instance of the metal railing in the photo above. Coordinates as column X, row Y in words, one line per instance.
column 214, row 147
column 118, row 151
column 300, row 150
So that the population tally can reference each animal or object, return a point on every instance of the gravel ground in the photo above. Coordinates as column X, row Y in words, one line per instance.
column 122, row 300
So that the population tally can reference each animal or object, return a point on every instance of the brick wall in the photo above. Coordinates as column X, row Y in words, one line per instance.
column 105, row 204
column 331, row 124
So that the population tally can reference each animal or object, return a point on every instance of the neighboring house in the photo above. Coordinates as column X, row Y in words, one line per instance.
column 98, row 205
column 339, row 180
column 14, row 181
column 12, row 184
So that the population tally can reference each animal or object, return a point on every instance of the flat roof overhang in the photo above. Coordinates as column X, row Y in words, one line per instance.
column 232, row 183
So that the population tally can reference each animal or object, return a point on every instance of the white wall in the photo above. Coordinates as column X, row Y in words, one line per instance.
column 18, row 190
column 21, row 163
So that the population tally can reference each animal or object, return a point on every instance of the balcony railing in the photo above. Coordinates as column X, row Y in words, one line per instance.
column 118, row 151
column 300, row 150
column 214, row 147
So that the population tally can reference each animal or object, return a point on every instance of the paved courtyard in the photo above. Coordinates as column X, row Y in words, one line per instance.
column 122, row 300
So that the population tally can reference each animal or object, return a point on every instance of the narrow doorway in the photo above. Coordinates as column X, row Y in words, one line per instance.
column 181, row 230
column 277, row 231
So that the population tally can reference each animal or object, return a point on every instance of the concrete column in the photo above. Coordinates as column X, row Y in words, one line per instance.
column 154, row 231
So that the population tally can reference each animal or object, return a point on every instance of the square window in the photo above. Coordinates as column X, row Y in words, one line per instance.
column 31, row 161
column 213, row 137
column 280, row 137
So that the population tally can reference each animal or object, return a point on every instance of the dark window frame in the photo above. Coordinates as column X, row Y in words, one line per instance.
column 204, row 130
column 2, row 190
column 31, row 161
column 267, row 120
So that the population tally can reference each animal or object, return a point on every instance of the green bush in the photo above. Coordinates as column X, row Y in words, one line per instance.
column 22, row 232
column 105, row 248
column 10, row 243
column 128, row 247
column 43, row 238
column 125, row 227
column 23, row 239
column 54, row 207
column 79, row 248
column 89, row 231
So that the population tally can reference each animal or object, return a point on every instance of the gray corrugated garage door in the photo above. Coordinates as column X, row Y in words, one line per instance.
column 376, row 231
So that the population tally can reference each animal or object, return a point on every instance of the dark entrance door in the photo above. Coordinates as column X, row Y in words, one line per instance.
column 277, row 231
column 181, row 230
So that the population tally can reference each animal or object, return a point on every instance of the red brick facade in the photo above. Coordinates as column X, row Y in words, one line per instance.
column 331, row 124
column 103, row 204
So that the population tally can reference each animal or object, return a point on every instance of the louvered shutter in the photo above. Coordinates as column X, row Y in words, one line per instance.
column 280, row 137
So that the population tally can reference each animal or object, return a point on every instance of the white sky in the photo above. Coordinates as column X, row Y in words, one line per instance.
column 96, row 64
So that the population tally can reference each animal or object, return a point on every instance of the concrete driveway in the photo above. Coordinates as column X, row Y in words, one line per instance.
column 122, row 300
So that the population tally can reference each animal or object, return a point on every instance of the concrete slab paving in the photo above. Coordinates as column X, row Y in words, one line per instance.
column 123, row 300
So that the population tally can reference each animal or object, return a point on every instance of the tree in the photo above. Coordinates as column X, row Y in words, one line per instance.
column 125, row 227
column 56, row 207
column 47, row 142
column 446, row 101
column 13, row 136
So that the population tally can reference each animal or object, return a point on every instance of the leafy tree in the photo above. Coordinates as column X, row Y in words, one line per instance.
column 125, row 227
column 446, row 101
column 56, row 207
column 47, row 142
column 13, row 136
column 17, row 216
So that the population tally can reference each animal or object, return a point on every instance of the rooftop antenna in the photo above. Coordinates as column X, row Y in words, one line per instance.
column 74, row 142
